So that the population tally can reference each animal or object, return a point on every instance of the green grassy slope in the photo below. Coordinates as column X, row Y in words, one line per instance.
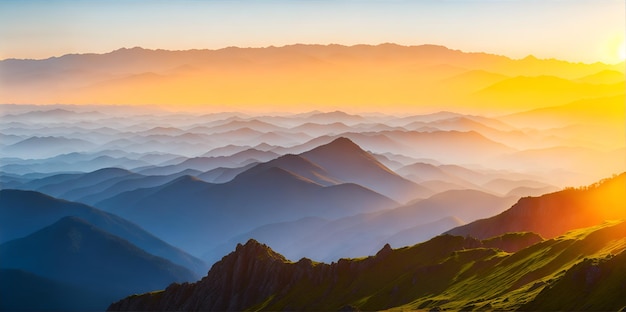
column 447, row 272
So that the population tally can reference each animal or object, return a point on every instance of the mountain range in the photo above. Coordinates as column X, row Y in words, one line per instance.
column 285, row 189
column 577, row 270
column 367, row 185
column 327, row 75
column 383, row 177
column 366, row 233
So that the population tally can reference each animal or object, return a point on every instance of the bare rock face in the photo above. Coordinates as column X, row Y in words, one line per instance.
column 242, row 279
column 254, row 275
column 252, row 272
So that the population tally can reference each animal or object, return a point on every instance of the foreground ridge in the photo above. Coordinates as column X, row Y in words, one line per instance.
column 448, row 272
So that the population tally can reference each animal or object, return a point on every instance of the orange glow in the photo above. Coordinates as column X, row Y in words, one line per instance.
column 385, row 78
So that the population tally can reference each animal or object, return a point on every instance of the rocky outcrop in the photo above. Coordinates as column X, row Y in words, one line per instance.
column 442, row 273
column 254, row 275
column 249, row 274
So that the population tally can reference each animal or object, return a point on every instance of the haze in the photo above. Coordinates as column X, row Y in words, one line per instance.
column 463, row 155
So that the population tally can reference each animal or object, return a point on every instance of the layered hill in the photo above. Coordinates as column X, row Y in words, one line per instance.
column 447, row 272
column 346, row 161
column 285, row 189
column 76, row 253
column 25, row 212
column 514, row 269
column 364, row 234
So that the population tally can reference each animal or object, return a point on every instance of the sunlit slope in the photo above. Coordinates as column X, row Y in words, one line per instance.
column 448, row 272
column 553, row 214
column 294, row 78
column 516, row 269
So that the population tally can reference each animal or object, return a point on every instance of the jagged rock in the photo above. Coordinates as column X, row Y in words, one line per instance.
column 253, row 273
column 254, row 277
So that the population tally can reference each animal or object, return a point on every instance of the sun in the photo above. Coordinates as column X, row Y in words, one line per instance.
column 621, row 51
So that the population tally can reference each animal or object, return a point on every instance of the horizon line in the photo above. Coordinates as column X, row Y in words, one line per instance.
column 529, row 56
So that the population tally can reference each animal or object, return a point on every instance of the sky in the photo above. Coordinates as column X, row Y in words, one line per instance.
column 574, row 30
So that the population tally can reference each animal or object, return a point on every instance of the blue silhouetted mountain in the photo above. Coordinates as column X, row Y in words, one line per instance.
column 297, row 165
column 46, row 146
column 285, row 189
column 77, row 253
column 71, row 182
column 73, row 162
column 223, row 174
column 364, row 234
column 208, row 163
column 25, row 291
column 24, row 212
column 347, row 162
column 131, row 182
column 218, row 211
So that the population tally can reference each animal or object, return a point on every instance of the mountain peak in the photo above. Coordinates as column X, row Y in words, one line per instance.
column 347, row 162
column 340, row 147
column 252, row 249
column 342, row 144
column 383, row 252
column 251, row 244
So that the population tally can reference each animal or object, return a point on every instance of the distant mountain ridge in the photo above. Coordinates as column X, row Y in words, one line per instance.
column 284, row 189
column 371, row 70
column 365, row 233
column 168, row 144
